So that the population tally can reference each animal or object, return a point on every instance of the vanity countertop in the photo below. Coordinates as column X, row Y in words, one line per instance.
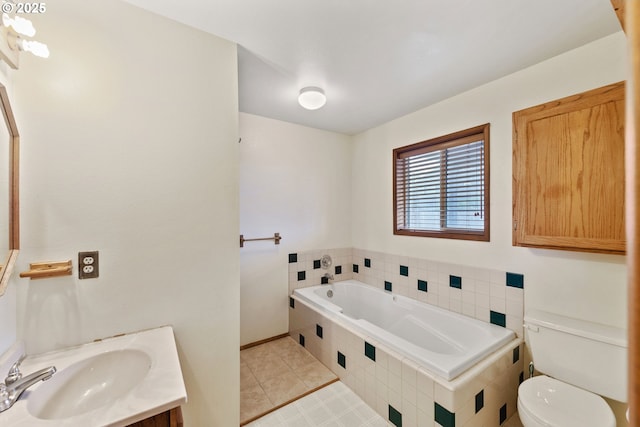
column 160, row 386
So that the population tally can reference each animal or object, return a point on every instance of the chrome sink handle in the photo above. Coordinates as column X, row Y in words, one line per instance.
column 14, row 373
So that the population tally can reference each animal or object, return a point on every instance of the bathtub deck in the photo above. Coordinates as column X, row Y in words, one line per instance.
column 276, row 373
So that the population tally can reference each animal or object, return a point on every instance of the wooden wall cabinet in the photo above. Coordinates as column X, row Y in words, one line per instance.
column 568, row 173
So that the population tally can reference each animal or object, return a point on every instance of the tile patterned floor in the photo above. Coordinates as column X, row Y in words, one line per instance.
column 276, row 373
column 334, row 405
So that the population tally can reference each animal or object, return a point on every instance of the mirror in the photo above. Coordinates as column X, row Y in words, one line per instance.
column 9, row 218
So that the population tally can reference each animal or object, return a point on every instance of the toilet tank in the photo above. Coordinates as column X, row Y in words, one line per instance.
column 588, row 355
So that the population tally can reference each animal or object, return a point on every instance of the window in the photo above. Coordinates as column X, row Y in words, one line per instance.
column 441, row 186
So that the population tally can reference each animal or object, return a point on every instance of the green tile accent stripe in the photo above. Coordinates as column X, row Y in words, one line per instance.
column 316, row 264
column 515, row 280
column 422, row 285
column 455, row 281
column 516, row 354
column 342, row 360
column 302, row 275
column 293, row 258
column 404, row 270
column 498, row 318
column 319, row 331
column 503, row 413
column 367, row 262
column 388, row 286
column 301, row 340
column 355, row 268
column 444, row 417
column 370, row 351
column 395, row 417
column 338, row 269
column 479, row 401
column 292, row 303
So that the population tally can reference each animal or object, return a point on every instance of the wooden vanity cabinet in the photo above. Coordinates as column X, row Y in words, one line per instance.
column 568, row 173
column 170, row 418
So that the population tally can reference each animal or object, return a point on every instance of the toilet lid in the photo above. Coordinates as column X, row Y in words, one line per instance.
column 556, row 404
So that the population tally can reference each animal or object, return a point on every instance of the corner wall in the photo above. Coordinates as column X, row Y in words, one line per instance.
column 296, row 181
column 129, row 147
column 587, row 286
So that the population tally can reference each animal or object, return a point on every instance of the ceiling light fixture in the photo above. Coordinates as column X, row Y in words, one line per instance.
column 19, row 25
column 312, row 98
column 38, row 49
column 12, row 41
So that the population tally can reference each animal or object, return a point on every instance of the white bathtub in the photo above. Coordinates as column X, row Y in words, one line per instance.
column 444, row 342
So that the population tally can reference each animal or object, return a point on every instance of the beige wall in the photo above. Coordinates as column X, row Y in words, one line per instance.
column 586, row 286
column 296, row 181
column 129, row 147
column 292, row 181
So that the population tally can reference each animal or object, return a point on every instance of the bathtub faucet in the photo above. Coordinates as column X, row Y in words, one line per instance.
column 328, row 277
column 14, row 385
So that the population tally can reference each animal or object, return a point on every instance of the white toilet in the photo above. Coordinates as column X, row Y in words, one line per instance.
column 581, row 361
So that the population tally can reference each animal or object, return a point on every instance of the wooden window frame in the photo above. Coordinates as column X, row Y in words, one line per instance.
column 436, row 144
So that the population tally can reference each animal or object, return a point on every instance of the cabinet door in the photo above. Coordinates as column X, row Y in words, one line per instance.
column 568, row 173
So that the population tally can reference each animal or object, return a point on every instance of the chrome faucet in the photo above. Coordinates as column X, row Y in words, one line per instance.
column 14, row 384
column 328, row 277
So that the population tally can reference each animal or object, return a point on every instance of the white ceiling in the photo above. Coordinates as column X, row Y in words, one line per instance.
column 381, row 59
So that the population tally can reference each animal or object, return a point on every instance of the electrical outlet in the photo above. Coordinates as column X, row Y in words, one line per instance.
column 88, row 265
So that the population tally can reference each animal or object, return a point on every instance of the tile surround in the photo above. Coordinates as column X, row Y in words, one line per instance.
column 387, row 380
column 490, row 295
column 481, row 396
column 304, row 262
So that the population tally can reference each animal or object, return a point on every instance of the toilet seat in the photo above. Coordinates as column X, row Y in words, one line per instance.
column 551, row 403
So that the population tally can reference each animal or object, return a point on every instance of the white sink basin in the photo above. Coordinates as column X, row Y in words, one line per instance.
column 114, row 382
column 89, row 384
